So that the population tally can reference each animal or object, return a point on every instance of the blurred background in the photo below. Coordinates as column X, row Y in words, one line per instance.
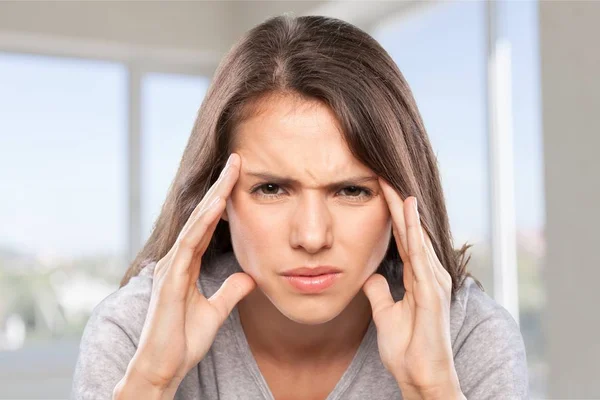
column 97, row 100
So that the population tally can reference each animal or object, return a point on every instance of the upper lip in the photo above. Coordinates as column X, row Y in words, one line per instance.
column 312, row 271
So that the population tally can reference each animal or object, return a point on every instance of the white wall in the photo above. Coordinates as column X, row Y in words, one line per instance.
column 570, row 80
column 192, row 35
column 189, row 25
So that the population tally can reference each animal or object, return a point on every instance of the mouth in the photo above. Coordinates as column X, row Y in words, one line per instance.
column 312, row 280
column 312, row 271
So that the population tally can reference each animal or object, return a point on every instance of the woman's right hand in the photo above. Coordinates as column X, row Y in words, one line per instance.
column 181, row 323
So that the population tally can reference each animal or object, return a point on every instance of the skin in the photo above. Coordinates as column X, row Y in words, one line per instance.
column 278, row 225
column 282, row 226
column 294, row 335
column 286, row 226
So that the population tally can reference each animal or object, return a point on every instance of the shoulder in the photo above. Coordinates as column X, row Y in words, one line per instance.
column 487, row 344
column 472, row 308
column 126, row 308
column 110, row 338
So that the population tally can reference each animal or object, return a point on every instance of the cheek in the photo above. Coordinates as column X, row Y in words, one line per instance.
column 369, row 233
column 255, row 232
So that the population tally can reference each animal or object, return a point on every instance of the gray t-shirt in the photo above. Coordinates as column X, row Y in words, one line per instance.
column 489, row 353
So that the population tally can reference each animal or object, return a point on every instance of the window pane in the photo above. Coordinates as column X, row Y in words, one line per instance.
column 62, row 212
column 170, row 104
column 440, row 50
column 519, row 24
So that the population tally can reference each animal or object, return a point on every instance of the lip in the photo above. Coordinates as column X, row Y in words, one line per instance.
column 312, row 279
column 314, row 283
column 312, row 271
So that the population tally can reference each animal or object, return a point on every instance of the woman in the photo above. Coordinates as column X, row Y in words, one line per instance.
column 306, row 269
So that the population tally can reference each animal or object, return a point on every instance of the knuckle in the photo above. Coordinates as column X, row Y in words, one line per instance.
column 447, row 278
column 158, row 267
column 445, row 291
column 158, row 287
column 417, row 253
column 185, row 243
column 413, row 252
column 441, row 298
column 219, row 305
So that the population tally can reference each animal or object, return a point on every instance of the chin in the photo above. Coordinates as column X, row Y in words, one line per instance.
column 309, row 310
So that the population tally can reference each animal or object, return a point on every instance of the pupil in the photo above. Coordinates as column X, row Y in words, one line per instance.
column 270, row 187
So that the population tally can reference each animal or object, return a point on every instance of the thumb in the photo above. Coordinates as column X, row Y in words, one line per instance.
column 235, row 288
column 377, row 290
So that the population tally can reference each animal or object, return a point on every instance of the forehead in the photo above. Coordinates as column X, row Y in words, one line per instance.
column 300, row 137
column 287, row 117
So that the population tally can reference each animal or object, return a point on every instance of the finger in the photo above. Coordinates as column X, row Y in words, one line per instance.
column 441, row 274
column 218, row 189
column 407, row 273
column 377, row 290
column 235, row 288
column 396, row 206
column 198, row 228
column 205, row 241
column 210, row 230
column 188, row 246
column 419, row 259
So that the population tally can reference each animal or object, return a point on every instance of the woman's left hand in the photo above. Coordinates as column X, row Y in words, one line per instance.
column 414, row 333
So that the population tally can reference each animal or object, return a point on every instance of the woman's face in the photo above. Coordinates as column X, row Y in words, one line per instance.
column 308, row 220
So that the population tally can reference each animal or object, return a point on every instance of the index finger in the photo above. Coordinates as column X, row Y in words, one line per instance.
column 396, row 206
column 198, row 230
column 221, row 188
column 407, row 222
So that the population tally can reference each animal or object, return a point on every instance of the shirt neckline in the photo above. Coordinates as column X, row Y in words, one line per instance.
column 340, row 387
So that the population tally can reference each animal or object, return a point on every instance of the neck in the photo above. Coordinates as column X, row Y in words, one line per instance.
column 271, row 334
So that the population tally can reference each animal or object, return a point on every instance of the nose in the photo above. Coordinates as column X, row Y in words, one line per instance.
column 312, row 222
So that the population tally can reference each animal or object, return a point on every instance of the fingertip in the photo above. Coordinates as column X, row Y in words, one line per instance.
column 373, row 281
column 245, row 282
column 235, row 158
column 377, row 290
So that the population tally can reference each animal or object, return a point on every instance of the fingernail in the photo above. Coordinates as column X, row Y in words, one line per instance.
column 229, row 160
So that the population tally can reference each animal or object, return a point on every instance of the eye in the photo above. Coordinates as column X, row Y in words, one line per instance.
column 274, row 191
column 354, row 192
column 267, row 190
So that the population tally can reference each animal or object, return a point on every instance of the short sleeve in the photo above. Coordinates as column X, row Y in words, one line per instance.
column 110, row 340
column 491, row 361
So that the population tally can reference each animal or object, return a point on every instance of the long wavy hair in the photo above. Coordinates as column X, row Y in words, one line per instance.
column 338, row 64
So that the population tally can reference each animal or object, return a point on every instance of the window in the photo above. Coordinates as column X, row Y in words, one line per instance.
column 170, row 104
column 519, row 25
column 63, row 210
column 440, row 50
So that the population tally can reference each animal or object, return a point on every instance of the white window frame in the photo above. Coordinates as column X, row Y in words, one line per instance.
column 139, row 62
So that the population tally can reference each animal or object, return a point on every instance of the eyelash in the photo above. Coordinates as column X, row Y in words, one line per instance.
column 368, row 193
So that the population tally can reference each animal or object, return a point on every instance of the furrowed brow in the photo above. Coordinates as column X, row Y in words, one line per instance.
column 286, row 181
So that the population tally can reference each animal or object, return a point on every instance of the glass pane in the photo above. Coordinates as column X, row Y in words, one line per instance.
column 519, row 24
column 170, row 104
column 62, row 212
column 440, row 49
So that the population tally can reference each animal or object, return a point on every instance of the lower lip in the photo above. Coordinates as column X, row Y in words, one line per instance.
column 312, row 284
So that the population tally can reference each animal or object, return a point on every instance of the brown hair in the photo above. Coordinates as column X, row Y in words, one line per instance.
column 327, row 60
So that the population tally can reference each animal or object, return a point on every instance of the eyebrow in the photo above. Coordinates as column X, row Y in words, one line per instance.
column 283, row 180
